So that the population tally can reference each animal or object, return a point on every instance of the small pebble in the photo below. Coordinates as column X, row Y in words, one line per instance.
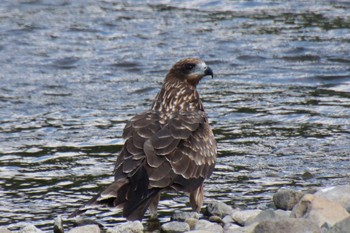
column 227, row 219
column 307, row 175
column 4, row 230
column 286, row 199
column 242, row 216
column 218, row 208
column 191, row 222
column 208, row 226
column 182, row 216
column 215, row 219
column 127, row 227
column 29, row 228
column 175, row 227
column 85, row 229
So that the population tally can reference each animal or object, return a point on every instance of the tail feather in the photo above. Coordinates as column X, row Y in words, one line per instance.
column 110, row 197
column 131, row 193
column 82, row 209
column 136, row 210
column 138, row 196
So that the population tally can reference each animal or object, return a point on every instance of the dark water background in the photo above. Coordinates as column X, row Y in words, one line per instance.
column 73, row 72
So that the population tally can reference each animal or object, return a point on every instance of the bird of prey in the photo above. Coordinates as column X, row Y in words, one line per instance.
column 171, row 146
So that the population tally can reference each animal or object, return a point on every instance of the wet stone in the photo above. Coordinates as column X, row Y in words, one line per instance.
column 208, row 226
column 127, row 227
column 286, row 199
column 237, row 229
column 265, row 215
column 175, row 227
column 227, row 219
column 216, row 219
column 182, row 216
column 241, row 216
column 320, row 210
column 86, row 229
column 340, row 227
column 29, row 228
column 4, row 230
column 338, row 194
column 282, row 213
column 231, row 227
column 199, row 231
column 218, row 208
column 191, row 222
column 307, row 175
column 289, row 225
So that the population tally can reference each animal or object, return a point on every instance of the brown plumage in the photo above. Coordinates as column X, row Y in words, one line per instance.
column 170, row 146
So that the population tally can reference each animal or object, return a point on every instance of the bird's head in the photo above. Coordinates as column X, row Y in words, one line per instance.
column 190, row 70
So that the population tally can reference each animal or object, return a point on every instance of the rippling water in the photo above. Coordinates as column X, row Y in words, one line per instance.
column 73, row 72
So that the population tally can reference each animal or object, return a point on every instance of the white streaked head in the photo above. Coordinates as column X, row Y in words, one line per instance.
column 191, row 70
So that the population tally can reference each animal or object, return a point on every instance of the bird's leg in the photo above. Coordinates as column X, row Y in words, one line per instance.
column 196, row 198
column 154, row 206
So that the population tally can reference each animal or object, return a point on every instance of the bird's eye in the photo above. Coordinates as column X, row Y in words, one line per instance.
column 189, row 66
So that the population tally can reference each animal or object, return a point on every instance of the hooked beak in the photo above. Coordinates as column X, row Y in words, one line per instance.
column 208, row 71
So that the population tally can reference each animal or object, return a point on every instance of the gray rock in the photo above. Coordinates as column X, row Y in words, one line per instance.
column 216, row 219
column 182, row 216
column 208, row 226
column 324, row 228
column 191, row 222
column 227, row 219
column 218, row 208
column 241, row 216
column 339, row 194
column 286, row 199
column 341, row 227
column 85, row 229
column 4, row 230
column 307, row 175
column 127, row 227
column 198, row 231
column 283, row 213
column 29, row 228
column 235, row 229
column 265, row 215
column 231, row 227
column 320, row 210
column 58, row 226
column 289, row 225
column 175, row 227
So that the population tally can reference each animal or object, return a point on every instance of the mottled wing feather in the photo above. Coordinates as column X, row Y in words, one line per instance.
column 127, row 130
column 183, row 147
column 138, row 140
column 132, row 148
column 137, row 131
column 130, row 165
column 153, row 160
column 169, row 149
column 187, row 144
column 162, row 139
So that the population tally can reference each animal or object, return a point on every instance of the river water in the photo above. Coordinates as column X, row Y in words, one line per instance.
column 73, row 73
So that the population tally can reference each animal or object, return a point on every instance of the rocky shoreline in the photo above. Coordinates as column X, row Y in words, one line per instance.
column 325, row 210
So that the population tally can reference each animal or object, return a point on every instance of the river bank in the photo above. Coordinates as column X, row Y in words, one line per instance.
column 325, row 210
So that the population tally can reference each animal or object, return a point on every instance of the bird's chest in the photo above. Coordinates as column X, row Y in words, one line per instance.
column 178, row 100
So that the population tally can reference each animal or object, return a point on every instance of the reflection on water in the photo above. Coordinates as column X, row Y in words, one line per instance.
column 73, row 73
